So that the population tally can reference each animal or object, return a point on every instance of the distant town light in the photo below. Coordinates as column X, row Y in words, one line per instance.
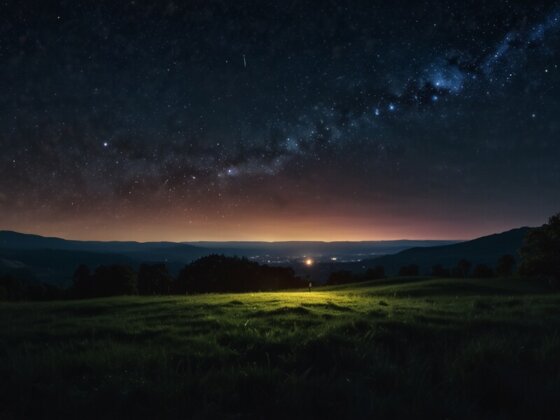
column 308, row 262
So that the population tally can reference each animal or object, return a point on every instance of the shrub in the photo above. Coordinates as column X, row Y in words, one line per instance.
column 154, row 279
column 505, row 265
column 439, row 271
column 375, row 273
column 409, row 270
column 340, row 277
column 482, row 271
column 114, row 280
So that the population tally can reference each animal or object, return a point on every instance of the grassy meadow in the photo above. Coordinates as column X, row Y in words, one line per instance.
column 403, row 348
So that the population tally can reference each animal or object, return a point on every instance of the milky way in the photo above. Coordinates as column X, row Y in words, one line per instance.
column 278, row 120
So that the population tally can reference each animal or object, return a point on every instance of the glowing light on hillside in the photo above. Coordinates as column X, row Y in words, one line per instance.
column 308, row 262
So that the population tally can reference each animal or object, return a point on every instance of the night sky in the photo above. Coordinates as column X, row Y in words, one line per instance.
column 275, row 120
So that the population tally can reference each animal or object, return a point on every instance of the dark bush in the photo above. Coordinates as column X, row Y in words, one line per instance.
column 114, row 280
column 340, row 277
column 540, row 254
column 82, row 282
column 375, row 273
column 154, row 279
column 505, row 266
column 439, row 271
column 482, row 271
column 409, row 270
column 13, row 288
column 462, row 269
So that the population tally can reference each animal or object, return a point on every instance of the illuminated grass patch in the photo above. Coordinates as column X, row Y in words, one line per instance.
column 400, row 348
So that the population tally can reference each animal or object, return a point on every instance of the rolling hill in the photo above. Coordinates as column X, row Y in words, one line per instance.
column 484, row 250
column 54, row 266
column 53, row 260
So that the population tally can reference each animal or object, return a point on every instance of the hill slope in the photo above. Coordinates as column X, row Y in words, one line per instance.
column 16, row 240
column 484, row 250
column 53, row 260
column 54, row 266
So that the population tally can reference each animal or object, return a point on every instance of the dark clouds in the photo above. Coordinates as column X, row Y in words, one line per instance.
column 212, row 106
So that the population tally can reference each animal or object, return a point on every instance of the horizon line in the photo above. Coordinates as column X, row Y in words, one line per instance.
column 199, row 241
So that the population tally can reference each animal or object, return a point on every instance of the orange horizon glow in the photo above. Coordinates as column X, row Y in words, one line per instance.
column 326, row 229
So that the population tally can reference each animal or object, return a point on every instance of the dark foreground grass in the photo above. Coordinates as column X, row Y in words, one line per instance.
column 398, row 349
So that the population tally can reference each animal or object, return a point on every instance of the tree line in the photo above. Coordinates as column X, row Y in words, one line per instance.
column 504, row 268
column 539, row 258
column 210, row 274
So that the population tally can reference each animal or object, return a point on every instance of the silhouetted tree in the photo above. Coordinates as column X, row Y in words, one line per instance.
column 3, row 290
column 114, row 280
column 375, row 273
column 462, row 269
column 540, row 254
column 218, row 273
column 42, row 291
column 505, row 265
column 82, row 282
column 340, row 277
column 482, row 271
column 439, row 271
column 14, row 288
column 11, row 288
column 409, row 270
column 154, row 279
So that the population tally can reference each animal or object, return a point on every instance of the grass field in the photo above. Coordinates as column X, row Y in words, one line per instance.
column 394, row 349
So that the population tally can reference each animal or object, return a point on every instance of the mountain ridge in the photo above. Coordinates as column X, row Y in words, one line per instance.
column 483, row 250
column 54, row 260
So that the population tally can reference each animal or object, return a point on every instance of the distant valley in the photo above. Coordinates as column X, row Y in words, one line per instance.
column 53, row 260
